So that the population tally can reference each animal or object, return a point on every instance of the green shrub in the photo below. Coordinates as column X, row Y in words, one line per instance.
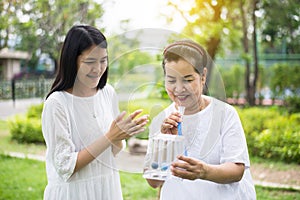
column 271, row 134
column 285, row 77
column 293, row 104
column 254, row 118
column 254, row 122
column 35, row 111
column 281, row 140
column 27, row 128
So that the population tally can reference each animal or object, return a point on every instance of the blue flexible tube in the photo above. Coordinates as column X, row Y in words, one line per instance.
column 179, row 128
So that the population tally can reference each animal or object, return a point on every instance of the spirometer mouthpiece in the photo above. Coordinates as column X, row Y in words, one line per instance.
column 181, row 110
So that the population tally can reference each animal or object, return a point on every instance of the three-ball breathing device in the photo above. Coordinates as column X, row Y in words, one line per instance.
column 164, row 151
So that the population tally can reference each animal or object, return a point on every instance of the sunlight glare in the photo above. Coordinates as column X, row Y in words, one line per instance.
column 214, row 2
column 136, row 14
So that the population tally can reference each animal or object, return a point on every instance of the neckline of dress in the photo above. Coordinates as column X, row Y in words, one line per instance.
column 82, row 98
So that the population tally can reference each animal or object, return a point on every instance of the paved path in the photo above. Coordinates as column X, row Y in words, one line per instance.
column 125, row 161
column 8, row 108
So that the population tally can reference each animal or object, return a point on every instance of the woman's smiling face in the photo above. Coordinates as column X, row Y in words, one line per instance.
column 91, row 64
column 184, row 85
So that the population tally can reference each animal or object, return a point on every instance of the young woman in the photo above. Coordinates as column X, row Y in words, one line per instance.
column 217, row 163
column 81, row 123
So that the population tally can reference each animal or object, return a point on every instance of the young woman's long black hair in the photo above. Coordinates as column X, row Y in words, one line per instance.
column 78, row 39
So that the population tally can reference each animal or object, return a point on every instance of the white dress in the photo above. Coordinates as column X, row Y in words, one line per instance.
column 226, row 143
column 69, row 124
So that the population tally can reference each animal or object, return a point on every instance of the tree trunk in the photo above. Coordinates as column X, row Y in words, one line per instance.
column 246, row 50
column 213, row 42
column 250, row 77
column 212, row 47
column 253, row 80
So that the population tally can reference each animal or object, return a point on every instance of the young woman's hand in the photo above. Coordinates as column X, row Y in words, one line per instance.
column 169, row 125
column 122, row 128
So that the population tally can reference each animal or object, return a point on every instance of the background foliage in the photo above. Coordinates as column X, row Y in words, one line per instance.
column 271, row 133
column 28, row 128
column 39, row 26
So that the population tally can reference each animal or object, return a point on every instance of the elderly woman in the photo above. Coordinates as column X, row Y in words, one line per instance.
column 216, row 161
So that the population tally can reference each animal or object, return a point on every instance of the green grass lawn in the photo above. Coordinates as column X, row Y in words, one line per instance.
column 21, row 178
column 134, row 186
column 26, row 179
column 264, row 193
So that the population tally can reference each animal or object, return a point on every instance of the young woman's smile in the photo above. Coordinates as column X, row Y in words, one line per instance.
column 91, row 64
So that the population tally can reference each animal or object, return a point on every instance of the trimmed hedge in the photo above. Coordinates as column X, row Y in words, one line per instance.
column 28, row 128
column 271, row 134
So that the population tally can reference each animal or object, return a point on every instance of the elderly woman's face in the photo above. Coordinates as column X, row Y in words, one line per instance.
column 184, row 85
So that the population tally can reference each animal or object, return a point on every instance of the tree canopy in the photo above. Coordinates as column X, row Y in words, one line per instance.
column 39, row 26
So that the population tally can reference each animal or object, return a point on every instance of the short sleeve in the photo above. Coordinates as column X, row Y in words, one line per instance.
column 234, row 145
column 56, row 130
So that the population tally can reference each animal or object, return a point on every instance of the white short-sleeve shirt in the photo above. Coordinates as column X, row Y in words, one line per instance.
column 215, row 136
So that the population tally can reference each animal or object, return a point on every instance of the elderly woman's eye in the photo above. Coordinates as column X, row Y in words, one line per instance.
column 171, row 81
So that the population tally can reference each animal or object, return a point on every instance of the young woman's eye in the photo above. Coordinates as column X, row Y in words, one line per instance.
column 89, row 62
column 103, row 61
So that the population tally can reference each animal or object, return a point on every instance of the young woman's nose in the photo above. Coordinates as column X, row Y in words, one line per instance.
column 98, row 67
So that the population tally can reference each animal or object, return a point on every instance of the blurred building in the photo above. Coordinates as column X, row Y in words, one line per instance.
column 10, row 62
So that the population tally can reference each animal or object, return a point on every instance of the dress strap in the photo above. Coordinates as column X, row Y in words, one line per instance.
column 214, row 131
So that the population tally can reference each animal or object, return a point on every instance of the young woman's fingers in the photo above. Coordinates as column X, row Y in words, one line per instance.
column 120, row 116
column 135, row 113
column 137, row 131
column 137, row 127
column 131, row 117
column 141, row 119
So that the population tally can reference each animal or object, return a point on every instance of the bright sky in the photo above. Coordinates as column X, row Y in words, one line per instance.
column 141, row 13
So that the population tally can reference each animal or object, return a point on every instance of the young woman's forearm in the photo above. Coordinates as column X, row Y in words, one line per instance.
column 119, row 130
column 88, row 154
column 117, row 147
